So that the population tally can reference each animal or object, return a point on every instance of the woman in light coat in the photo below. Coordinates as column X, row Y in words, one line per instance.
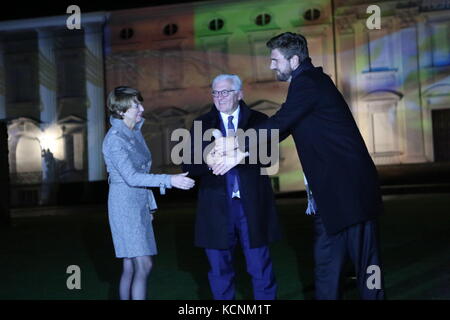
column 130, row 203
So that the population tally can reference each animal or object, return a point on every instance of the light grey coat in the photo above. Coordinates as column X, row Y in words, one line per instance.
column 130, row 203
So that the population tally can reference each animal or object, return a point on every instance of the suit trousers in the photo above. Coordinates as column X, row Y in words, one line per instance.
column 259, row 265
column 360, row 243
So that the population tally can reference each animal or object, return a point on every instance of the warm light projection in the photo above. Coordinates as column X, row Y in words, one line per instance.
column 50, row 139
column 48, row 142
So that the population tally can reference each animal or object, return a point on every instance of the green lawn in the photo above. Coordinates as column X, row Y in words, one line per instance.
column 36, row 251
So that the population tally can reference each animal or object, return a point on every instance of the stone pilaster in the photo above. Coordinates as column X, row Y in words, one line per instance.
column 2, row 82
column 406, row 20
column 93, row 39
column 47, row 78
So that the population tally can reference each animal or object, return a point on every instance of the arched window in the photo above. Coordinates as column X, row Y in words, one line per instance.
column 312, row 14
column 126, row 33
column 263, row 19
column 170, row 29
column 216, row 24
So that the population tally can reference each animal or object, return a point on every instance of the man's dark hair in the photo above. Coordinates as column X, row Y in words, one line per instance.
column 290, row 44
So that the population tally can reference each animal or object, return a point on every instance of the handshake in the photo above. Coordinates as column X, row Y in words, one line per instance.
column 225, row 154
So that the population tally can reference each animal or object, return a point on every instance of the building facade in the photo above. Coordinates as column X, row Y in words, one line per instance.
column 52, row 97
column 395, row 78
column 53, row 81
column 172, row 53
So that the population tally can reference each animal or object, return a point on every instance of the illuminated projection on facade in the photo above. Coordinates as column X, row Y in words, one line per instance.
column 396, row 79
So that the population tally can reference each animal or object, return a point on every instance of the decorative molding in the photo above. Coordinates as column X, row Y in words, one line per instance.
column 380, row 80
column 407, row 17
column 383, row 95
column 58, row 21
column 440, row 89
column 345, row 24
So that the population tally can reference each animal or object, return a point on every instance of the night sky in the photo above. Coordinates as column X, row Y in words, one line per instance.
column 25, row 10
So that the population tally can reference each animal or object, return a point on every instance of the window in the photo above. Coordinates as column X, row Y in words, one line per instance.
column 263, row 19
column 171, row 68
column 384, row 126
column 71, row 80
column 170, row 29
column 126, row 33
column 312, row 14
column 216, row 24
column 261, row 62
column 440, row 43
column 384, row 131
column 380, row 49
column 21, row 80
column 216, row 55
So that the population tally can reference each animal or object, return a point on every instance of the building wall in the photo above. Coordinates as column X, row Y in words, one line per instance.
column 174, row 71
column 52, row 97
column 394, row 78
column 388, row 75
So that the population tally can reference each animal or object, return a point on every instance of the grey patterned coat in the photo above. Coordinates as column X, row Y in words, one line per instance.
column 130, row 203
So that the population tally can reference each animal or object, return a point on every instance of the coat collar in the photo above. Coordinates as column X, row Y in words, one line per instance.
column 119, row 125
column 305, row 65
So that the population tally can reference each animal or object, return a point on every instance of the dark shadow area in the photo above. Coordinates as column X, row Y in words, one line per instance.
column 192, row 259
column 5, row 218
column 415, row 174
column 36, row 250
column 76, row 193
column 97, row 241
column 298, row 234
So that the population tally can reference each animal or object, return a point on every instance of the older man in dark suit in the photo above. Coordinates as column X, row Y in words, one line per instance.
column 235, row 208
column 340, row 172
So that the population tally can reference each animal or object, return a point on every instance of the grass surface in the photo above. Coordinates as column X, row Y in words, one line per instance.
column 35, row 252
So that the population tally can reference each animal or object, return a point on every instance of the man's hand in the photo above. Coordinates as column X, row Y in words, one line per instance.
column 228, row 161
column 225, row 145
column 212, row 158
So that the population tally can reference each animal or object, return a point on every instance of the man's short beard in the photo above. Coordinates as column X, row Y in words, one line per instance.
column 284, row 76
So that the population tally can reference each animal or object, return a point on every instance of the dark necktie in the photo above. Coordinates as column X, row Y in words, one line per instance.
column 232, row 132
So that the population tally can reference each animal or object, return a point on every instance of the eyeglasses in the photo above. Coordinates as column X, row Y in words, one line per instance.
column 223, row 93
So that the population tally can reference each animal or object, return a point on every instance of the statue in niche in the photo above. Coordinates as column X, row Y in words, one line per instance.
column 48, row 177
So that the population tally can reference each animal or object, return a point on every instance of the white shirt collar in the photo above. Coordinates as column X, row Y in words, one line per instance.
column 235, row 115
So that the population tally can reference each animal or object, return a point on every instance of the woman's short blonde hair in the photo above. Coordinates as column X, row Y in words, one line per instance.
column 120, row 100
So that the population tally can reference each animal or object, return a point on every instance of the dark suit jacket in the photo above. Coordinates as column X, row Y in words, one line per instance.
column 334, row 157
column 257, row 197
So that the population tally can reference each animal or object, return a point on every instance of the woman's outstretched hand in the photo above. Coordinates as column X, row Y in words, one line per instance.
column 180, row 181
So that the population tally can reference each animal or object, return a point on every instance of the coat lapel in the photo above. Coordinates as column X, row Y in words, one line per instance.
column 213, row 120
column 244, row 115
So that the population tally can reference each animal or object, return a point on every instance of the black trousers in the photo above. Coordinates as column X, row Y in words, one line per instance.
column 359, row 243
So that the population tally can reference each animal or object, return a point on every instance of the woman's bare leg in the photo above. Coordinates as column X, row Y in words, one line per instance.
column 126, row 279
column 142, row 267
